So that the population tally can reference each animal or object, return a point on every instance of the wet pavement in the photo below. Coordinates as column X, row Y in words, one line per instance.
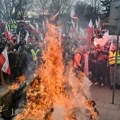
column 103, row 99
column 3, row 90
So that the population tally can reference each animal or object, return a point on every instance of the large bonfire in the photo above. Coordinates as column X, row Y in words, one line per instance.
column 56, row 86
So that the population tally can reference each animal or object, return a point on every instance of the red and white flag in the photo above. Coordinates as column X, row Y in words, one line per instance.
column 98, row 26
column 18, row 37
column 97, row 31
column 90, row 32
column 102, row 41
column 7, row 33
column 4, row 62
column 33, row 29
column 26, row 37
column 111, row 46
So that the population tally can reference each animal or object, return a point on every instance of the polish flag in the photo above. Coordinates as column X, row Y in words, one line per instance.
column 90, row 32
column 18, row 38
column 26, row 37
column 111, row 46
column 33, row 29
column 98, row 26
column 97, row 31
column 7, row 33
column 4, row 62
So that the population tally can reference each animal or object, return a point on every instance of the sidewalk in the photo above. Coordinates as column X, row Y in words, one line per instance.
column 103, row 99
column 3, row 90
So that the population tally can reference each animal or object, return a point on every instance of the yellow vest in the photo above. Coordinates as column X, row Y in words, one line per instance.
column 34, row 54
column 118, row 59
column 112, row 58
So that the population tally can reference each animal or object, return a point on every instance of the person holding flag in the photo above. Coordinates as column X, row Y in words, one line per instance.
column 4, row 64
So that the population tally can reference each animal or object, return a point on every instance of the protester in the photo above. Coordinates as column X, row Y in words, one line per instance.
column 101, row 66
column 112, row 55
column 118, row 71
column 92, row 65
column 19, row 53
column 86, row 56
column 25, row 55
column 112, row 63
column 79, row 60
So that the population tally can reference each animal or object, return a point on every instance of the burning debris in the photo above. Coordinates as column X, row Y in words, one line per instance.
column 55, row 85
column 20, row 80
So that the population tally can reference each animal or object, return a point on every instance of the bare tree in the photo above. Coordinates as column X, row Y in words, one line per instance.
column 39, row 6
column 61, row 6
column 106, row 8
column 89, row 7
column 11, row 9
column 95, row 6
column 80, row 8
column 55, row 6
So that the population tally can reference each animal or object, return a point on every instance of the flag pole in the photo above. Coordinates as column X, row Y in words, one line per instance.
column 115, row 68
column 2, row 78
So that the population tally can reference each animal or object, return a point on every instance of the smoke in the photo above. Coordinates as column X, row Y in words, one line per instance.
column 57, row 88
column 67, row 89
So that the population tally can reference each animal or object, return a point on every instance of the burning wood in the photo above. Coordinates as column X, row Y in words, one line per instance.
column 55, row 85
column 16, row 85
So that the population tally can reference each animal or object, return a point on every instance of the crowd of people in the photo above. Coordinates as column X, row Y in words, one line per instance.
column 23, row 49
column 23, row 59
column 96, row 61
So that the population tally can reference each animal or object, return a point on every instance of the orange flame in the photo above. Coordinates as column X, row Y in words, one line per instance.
column 56, row 85
column 20, row 80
